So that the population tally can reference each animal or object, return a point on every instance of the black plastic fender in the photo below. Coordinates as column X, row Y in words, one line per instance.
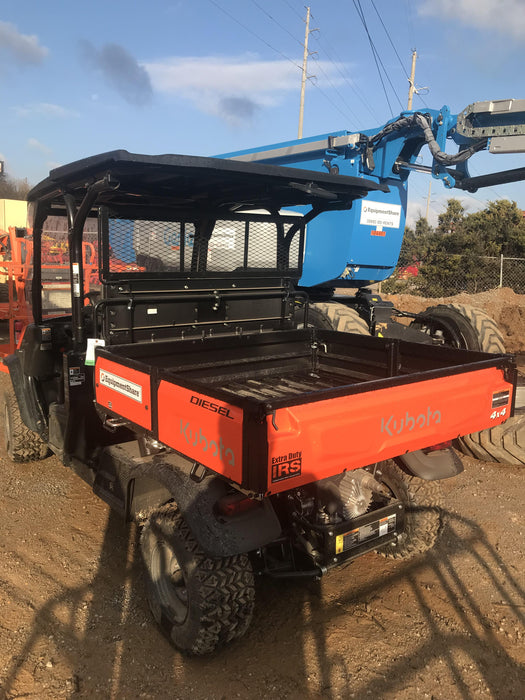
column 149, row 482
column 431, row 466
column 27, row 397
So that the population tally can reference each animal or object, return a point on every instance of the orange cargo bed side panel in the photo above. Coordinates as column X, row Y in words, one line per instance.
column 317, row 440
column 124, row 391
column 201, row 428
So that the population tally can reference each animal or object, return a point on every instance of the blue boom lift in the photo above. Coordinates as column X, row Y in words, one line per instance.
column 360, row 246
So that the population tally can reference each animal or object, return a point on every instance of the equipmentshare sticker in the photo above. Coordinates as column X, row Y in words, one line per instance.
column 121, row 385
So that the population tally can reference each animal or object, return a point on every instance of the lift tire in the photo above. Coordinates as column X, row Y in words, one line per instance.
column 334, row 316
column 22, row 444
column 200, row 603
column 472, row 329
column 503, row 443
column 423, row 518
column 465, row 327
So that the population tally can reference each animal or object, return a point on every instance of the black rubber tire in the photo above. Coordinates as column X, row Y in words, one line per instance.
column 21, row 444
column 200, row 603
column 464, row 327
column 503, row 443
column 334, row 316
column 472, row 329
column 423, row 519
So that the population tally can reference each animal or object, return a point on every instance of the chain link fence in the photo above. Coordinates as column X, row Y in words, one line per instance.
column 447, row 275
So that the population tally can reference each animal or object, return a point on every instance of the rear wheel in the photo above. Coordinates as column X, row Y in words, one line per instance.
column 22, row 444
column 472, row 329
column 336, row 317
column 199, row 602
column 422, row 501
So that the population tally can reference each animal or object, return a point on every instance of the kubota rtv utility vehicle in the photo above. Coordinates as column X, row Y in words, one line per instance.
column 197, row 399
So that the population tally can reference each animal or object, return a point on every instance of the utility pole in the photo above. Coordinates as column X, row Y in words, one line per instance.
column 303, row 80
column 428, row 199
column 411, row 88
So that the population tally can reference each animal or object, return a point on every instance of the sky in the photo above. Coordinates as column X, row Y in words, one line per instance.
column 203, row 77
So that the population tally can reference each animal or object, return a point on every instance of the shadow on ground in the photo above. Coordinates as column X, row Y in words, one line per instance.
column 377, row 628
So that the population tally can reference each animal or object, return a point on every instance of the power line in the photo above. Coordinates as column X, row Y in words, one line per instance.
column 327, row 97
column 389, row 39
column 277, row 22
column 219, row 7
column 246, row 28
column 329, row 81
column 416, row 91
column 350, row 112
column 293, row 9
column 337, row 65
column 377, row 57
column 359, row 11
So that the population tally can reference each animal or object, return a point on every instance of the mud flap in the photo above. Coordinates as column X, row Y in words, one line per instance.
column 26, row 395
column 438, row 464
column 145, row 483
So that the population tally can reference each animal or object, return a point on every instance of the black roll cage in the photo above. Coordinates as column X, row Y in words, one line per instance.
column 175, row 185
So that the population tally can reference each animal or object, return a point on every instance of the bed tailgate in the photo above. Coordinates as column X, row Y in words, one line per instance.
column 315, row 440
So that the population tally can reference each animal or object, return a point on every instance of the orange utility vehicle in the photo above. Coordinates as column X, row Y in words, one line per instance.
column 196, row 399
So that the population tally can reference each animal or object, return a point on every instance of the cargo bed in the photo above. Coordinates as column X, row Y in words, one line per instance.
column 272, row 411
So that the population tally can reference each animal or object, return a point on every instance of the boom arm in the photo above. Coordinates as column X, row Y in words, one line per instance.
column 362, row 245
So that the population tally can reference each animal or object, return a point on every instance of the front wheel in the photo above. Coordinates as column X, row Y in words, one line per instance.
column 21, row 444
column 199, row 602
column 422, row 501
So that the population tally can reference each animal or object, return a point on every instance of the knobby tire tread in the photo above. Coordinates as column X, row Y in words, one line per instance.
column 225, row 586
column 423, row 501
column 338, row 317
column 25, row 445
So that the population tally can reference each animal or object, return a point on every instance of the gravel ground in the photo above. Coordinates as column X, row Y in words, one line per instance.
column 74, row 621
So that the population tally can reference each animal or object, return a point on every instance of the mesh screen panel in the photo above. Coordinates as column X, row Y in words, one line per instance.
column 240, row 245
column 56, row 285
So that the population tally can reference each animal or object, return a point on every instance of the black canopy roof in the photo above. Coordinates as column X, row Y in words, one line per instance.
column 177, row 182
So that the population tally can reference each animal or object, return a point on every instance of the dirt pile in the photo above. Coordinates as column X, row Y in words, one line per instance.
column 503, row 305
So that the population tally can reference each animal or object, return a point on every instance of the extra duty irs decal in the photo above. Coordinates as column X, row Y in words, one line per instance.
column 286, row 466
column 121, row 385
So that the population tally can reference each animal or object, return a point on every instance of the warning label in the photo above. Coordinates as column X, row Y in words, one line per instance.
column 380, row 215
column 373, row 530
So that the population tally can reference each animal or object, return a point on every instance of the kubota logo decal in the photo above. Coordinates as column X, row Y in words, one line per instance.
column 197, row 438
column 394, row 425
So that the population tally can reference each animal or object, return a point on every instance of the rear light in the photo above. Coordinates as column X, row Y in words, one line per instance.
column 439, row 446
column 235, row 504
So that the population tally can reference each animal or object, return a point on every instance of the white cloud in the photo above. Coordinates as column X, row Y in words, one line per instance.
column 35, row 145
column 23, row 48
column 233, row 88
column 45, row 109
column 504, row 16
column 438, row 205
